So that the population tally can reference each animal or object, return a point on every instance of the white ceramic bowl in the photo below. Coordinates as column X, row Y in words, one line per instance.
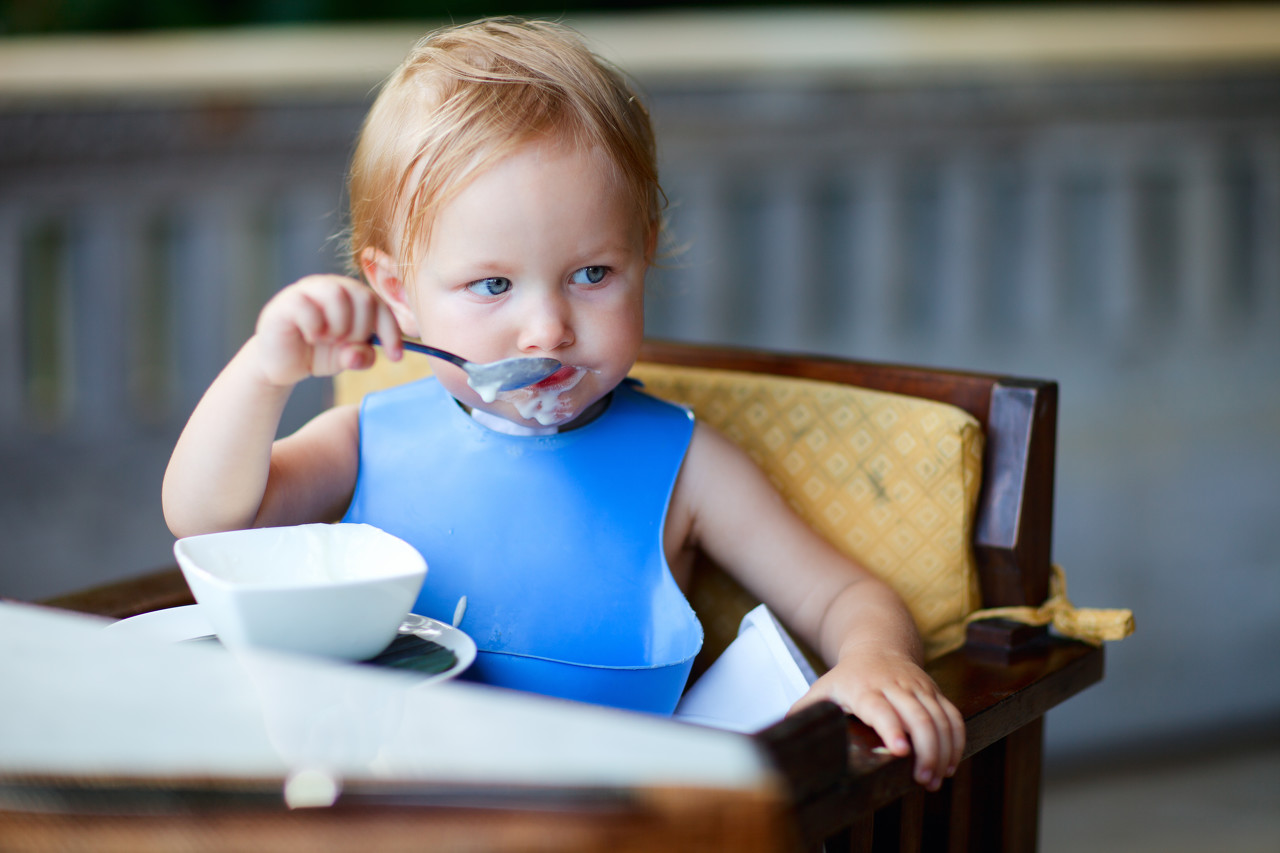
column 337, row 590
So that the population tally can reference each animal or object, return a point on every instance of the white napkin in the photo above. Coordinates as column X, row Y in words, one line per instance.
column 754, row 683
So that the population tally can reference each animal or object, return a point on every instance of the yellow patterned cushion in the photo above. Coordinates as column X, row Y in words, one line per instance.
column 891, row 480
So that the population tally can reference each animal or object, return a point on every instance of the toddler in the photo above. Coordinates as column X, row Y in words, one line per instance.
column 505, row 202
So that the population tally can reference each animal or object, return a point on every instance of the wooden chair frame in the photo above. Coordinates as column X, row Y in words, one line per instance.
column 842, row 791
column 1005, row 677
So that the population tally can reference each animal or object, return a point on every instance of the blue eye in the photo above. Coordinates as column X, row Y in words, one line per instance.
column 589, row 275
column 490, row 286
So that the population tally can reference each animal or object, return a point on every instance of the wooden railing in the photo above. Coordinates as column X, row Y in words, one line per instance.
column 963, row 212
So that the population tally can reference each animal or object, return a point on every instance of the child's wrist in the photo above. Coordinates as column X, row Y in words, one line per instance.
column 258, row 366
column 874, row 649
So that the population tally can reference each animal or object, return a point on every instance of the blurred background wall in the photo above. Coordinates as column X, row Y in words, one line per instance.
column 1088, row 194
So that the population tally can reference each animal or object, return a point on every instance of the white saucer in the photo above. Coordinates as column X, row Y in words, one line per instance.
column 178, row 624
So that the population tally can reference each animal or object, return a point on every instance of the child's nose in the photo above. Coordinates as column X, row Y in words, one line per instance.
column 547, row 325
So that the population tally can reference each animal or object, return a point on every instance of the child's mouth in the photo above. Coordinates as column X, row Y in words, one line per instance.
column 545, row 401
column 562, row 375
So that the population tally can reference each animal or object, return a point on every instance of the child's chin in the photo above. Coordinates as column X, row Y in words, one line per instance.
column 557, row 418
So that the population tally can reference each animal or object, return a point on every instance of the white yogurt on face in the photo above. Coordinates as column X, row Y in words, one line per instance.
column 544, row 404
column 488, row 391
column 506, row 426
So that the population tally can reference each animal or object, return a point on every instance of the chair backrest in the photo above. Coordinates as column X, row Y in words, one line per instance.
column 1008, row 532
column 940, row 481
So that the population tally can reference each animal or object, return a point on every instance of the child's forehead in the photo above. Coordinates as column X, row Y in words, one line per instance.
column 590, row 159
column 506, row 162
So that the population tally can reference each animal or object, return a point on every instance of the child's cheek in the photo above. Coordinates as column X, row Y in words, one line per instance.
column 454, row 381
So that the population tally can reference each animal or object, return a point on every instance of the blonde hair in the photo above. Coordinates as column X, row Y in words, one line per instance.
column 465, row 97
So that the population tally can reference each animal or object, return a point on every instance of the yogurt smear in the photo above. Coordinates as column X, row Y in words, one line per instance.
column 544, row 402
column 488, row 391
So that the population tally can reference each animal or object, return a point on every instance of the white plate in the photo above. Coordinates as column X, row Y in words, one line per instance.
column 178, row 624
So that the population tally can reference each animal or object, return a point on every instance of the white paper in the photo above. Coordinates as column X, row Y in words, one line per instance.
column 754, row 683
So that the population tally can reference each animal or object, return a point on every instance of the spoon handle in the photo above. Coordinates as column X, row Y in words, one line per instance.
column 423, row 348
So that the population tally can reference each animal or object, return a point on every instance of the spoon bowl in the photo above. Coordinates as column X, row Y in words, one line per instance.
column 491, row 377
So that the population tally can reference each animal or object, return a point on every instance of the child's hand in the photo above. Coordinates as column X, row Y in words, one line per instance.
column 321, row 325
column 893, row 695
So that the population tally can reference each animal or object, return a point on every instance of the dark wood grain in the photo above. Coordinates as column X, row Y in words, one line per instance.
column 201, row 818
column 155, row 590
column 1013, row 530
column 968, row 391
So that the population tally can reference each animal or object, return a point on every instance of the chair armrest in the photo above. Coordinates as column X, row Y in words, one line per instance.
column 141, row 594
column 837, row 777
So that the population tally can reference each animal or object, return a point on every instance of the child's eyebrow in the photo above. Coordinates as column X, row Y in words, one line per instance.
column 473, row 269
column 610, row 248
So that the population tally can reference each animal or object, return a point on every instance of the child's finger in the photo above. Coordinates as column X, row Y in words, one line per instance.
column 959, row 733
column 360, row 316
column 336, row 304
column 374, row 317
column 946, row 727
column 877, row 711
column 308, row 317
column 296, row 307
column 389, row 332
column 942, row 725
column 926, row 739
column 949, row 726
column 360, row 319
column 355, row 356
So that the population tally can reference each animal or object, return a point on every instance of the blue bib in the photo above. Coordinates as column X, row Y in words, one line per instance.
column 556, row 541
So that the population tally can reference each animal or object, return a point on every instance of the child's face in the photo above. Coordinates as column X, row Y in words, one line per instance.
column 542, row 254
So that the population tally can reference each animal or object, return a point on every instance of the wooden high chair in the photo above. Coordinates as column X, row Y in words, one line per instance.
column 836, row 437
column 940, row 481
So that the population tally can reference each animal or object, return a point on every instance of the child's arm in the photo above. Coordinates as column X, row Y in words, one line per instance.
column 227, row 472
column 729, row 509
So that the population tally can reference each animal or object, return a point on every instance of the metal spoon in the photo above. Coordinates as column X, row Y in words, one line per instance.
column 488, row 379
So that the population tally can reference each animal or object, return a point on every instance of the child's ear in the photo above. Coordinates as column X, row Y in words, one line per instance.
column 383, row 275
